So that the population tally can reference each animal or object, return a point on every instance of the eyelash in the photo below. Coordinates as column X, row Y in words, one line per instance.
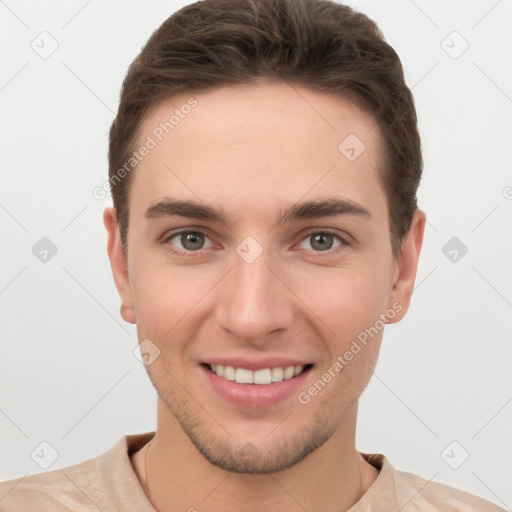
column 198, row 252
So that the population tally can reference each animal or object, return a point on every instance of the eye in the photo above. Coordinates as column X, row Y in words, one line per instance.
column 323, row 240
column 190, row 241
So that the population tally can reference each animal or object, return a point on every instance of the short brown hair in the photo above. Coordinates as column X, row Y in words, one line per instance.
column 317, row 44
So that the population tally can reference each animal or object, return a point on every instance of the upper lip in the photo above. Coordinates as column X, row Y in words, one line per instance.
column 256, row 364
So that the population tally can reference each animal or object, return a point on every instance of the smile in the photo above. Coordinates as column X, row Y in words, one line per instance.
column 261, row 377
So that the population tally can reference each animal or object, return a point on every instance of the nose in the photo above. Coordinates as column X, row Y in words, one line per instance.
column 254, row 301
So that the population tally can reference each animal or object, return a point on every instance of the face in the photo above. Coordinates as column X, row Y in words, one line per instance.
column 229, row 267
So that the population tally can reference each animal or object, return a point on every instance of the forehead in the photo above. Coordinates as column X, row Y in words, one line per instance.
column 232, row 144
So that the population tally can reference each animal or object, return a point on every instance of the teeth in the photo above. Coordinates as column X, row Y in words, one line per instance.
column 243, row 376
column 288, row 373
column 261, row 377
column 229, row 372
column 277, row 374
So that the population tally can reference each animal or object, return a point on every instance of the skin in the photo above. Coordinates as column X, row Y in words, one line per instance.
column 253, row 150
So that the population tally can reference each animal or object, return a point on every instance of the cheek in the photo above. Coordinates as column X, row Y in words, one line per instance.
column 348, row 300
column 353, row 343
column 167, row 297
column 161, row 298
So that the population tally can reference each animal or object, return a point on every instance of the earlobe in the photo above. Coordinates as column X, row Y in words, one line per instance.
column 119, row 264
column 407, row 265
column 127, row 314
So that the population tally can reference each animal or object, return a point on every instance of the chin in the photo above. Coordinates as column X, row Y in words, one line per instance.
column 251, row 458
column 262, row 454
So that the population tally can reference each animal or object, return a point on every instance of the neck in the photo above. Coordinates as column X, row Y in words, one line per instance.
column 332, row 478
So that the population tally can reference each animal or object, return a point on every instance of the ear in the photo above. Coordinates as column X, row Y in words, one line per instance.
column 406, row 266
column 119, row 264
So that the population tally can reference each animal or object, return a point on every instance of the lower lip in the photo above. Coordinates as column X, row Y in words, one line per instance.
column 255, row 395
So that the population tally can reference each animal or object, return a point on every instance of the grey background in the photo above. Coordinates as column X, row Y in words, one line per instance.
column 68, row 376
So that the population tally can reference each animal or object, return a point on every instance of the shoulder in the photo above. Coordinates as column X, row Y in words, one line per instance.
column 422, row 494
column 58, row 490
column 105, row 482
column 412, row 493
column 438, row 496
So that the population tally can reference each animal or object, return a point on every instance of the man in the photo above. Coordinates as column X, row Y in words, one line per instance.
column 263, row 164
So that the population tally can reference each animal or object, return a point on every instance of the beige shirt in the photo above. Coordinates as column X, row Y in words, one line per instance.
column 108, row 483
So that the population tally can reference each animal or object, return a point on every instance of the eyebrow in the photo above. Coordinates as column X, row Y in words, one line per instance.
column 323, row 207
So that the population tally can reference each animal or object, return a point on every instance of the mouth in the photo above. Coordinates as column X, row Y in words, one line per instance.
column 256, row 383
column 260, row 377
